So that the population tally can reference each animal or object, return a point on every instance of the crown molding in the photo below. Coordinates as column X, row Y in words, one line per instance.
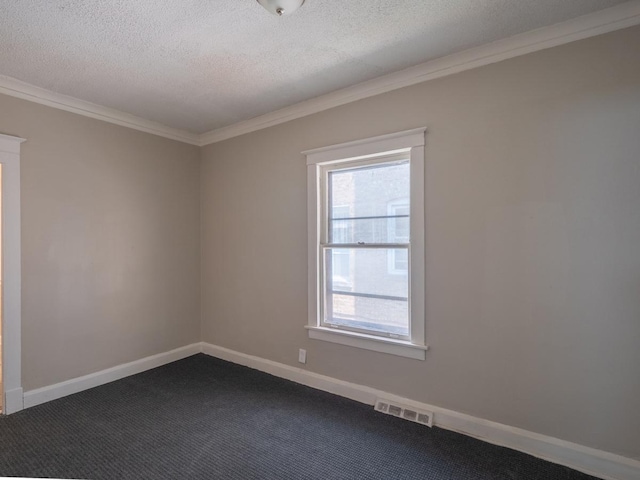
column 597, row 23
column 16, row 88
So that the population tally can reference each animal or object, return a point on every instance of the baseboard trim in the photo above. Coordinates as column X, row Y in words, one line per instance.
column 578, row 457
column 13, row 401
column 75, row 385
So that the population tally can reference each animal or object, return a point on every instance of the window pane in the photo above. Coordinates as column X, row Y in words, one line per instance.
column 361, row 293
column 369, row 204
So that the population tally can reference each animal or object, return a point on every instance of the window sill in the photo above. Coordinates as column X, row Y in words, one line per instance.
column 369, row 342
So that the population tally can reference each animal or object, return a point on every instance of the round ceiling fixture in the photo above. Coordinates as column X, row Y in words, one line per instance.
column 281, row 7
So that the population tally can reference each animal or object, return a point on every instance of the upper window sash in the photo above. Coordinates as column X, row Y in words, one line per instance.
column 346, row 165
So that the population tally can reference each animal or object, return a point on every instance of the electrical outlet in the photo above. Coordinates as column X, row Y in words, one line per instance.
column 302, row 356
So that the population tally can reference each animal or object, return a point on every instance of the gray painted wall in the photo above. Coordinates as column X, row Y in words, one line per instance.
column 110, row 243
column 533, row 242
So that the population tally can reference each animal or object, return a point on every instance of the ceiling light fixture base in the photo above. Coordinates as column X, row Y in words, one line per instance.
column 281, row 7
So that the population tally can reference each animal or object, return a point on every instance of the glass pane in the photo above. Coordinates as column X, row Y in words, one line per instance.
column 369, row 204
column 365, row 289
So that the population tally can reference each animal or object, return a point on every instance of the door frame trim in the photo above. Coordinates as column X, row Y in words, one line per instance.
column 11, row 275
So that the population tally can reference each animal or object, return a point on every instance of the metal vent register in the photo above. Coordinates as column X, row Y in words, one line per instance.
column 404, row 411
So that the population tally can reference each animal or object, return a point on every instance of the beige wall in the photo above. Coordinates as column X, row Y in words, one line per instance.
column 533, row 242
column 110, row 243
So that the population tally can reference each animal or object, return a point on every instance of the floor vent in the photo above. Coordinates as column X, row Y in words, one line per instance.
column 404, row 411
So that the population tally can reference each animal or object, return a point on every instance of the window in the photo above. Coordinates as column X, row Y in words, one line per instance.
column 358, row 242
column 366, row 244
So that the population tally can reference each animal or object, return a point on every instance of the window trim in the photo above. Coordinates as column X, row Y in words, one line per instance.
column 412, row 142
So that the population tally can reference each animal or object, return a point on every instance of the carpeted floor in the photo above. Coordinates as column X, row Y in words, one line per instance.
column 202, row 418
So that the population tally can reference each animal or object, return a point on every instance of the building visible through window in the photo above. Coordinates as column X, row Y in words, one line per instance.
column 398, row 225
column 367, row 281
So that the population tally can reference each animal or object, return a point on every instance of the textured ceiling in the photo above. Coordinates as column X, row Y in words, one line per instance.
column 198, row 65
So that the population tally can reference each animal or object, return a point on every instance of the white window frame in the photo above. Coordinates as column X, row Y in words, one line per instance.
column 409, row 142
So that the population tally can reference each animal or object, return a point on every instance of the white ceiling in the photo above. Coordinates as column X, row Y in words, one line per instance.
column 199, row 65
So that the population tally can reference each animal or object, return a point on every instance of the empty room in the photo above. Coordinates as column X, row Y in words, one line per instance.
column 320, row 239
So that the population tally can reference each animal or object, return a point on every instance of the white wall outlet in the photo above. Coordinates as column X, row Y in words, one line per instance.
column 302, row 356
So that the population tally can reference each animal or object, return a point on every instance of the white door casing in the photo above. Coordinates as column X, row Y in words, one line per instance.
column 11, row 274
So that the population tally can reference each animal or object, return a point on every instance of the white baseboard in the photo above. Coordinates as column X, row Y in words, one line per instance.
column 75, row 385
column 585, row 459
column 13, row 401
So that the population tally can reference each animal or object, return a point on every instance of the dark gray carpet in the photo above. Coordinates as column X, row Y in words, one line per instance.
column 202, row 418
